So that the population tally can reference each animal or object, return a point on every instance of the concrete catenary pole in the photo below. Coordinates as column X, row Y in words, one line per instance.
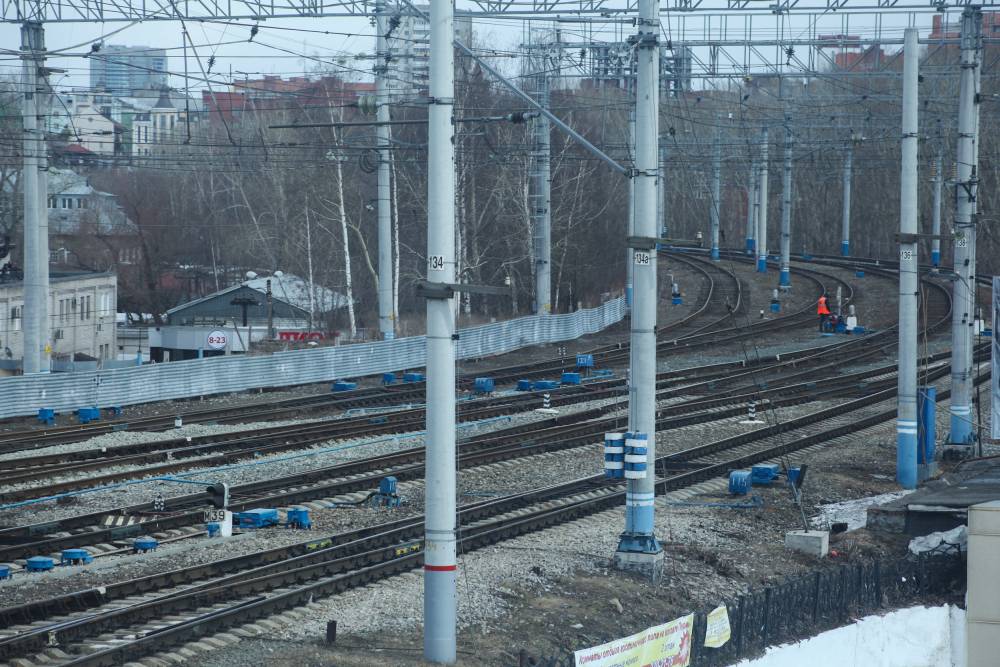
column 966, row 186
column 906, row 420
column 716, row 193
column 661, row 191
column 540, row 196
column 440, row 504
column 762, row 201
column 386, row 316
column 937, row 180
column 752, row 206
column 845, row 210
column 638, row 548
column 36, row 247
column 43, row 108
column 785, row 277
column 629, row 268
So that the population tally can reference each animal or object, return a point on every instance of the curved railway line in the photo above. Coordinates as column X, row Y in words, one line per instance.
column 300, row 436
column 140, row 617
column 715, row 298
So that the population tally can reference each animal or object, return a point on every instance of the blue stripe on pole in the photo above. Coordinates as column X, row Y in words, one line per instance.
column 906, row 458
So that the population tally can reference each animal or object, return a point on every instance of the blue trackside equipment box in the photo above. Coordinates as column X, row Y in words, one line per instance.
column 256, row 518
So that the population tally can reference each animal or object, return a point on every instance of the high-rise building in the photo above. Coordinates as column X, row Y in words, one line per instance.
column 409, row 49
column 122, row 70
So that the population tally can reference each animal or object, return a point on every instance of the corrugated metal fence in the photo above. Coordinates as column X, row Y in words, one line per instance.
column 24, row 395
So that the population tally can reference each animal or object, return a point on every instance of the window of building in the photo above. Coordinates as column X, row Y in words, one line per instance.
column 15, row 318
column 87, row 309
column 107, row 299
column 62, row 310
column 52, row 202
column 79, row 202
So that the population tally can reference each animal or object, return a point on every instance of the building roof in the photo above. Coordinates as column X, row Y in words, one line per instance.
column 103, row 214
column 164, row 101
column 289, row 290
column 218, row 306
column 207, row 297
column 295, row 290
column 63, row 277
column 77, row 148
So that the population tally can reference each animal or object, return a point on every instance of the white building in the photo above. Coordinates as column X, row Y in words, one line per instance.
column 409, row 49
column 156, row 130
column 87, row 227
column 91, row 120
column 82, row 317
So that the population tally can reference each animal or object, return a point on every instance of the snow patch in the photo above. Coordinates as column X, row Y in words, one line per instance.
column 854, row 512
column 912, row 637
column 941, row 540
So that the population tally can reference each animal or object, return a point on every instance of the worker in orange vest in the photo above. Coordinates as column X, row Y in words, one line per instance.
column 822, row 311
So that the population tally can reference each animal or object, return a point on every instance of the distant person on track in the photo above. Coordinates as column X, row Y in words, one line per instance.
column 823, row 311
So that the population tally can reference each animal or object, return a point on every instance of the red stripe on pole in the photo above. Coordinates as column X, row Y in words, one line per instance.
column 440, row 568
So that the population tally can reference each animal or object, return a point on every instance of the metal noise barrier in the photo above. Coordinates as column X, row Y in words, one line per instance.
column 24, row 395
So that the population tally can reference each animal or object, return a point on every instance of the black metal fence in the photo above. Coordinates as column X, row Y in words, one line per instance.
column 810, row 603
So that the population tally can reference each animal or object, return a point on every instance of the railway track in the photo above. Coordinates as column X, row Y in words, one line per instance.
column 35, row 438
column 364, row 474
column 137, row 617
column 109, row 535
column 553, row 435
column 141, row 617
column 362, row 397
column 177, row 454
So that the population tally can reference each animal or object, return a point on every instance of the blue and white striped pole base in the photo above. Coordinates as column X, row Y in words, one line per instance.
column 637, row 547
column 614, row 455
column 906, row 453
column 961, row 425
column 935, row 258
column 845, row 248
column 715, row 253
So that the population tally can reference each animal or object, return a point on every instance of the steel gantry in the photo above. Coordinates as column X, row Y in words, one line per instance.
column 17, row 11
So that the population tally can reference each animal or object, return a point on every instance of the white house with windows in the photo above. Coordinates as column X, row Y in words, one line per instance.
column 88, row 228
column 81, row 317
column 89, row 120
column 157, row 128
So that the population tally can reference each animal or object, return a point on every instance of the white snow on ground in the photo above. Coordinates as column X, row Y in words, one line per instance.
column 913, row 637
column 854, row 512
column 958, row 536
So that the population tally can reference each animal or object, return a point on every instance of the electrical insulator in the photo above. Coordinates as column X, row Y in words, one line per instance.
column 367, row 105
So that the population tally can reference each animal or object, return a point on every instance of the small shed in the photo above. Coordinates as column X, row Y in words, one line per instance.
column 239, row 305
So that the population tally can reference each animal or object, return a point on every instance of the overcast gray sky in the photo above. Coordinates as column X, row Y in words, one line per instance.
column 290, row 47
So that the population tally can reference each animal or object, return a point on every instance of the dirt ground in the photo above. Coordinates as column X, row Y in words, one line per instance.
column 745, row 551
